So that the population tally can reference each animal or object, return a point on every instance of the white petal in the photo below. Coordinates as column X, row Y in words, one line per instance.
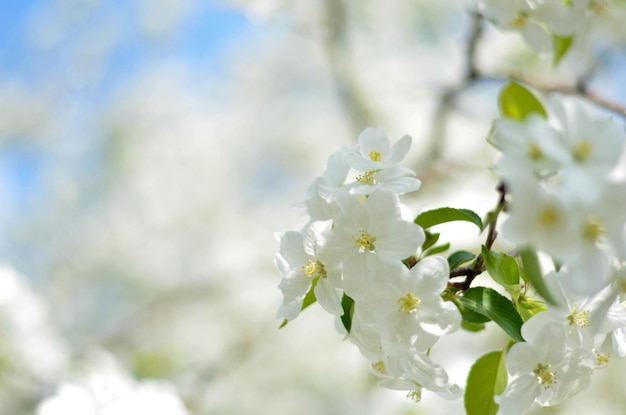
column 383, row 205
column 440, row 319
column 373, row 139
column 291, row 250
column 336, row 169
column 430, row 275
column 537, row 38
column 399, row 150
column 521, row 359
column 328, row 297
column 619, row 342
column 398, row 239
column 519, row 395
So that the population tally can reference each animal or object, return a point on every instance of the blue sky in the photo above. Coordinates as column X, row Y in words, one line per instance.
column 200, row 42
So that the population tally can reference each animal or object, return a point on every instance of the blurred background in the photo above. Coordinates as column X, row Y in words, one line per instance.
column 150, row 149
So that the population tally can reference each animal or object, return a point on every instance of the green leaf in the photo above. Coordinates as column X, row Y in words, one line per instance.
column 502, row 267
column 518, row 102
column 472, row 327
column 437, row 249
column 560, row 46
column 469, row 315
column 528, row 307
column 447, row 214
column 347, row 304
column 532, row 270
column 487, row 378
column 431, row 239
column 489, row 303
column 309, row 299
column 458, row 258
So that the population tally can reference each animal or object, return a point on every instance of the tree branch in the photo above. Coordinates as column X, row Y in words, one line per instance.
column 473, row 75
column 478, row 266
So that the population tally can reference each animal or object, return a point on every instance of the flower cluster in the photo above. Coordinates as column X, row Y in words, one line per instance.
column 567, row 200
column 561, row 173
column 563, row 190
column 349, row 258
column 543, row 23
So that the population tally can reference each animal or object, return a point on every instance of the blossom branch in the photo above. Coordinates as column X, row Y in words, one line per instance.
column 580, row 88
column 478, row 266
column 473, row 75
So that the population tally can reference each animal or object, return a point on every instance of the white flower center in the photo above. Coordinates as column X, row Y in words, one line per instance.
column 375, row 156
column 367, row 177
column 545, row 376
column 519, row 21
column 593, row 230
column 380, row 367
column 415, row 395
column 314, row 269
column 602, row 360
column 549, row 216
column 364, row 241
column 582, row 150
column 408, row 303
column 580, row 318
column 534, row 152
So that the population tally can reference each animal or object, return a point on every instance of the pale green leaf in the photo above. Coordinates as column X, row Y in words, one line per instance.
column 532, row 270
column 501, row 267
column 472, row 327
column 487, row 378
column 437, row 249
column 560, row 46
column 518, row 102
column 447, row 214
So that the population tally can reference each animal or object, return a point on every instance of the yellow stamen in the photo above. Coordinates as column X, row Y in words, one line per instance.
column 580, row 318
column 375, row 156
column 593, row 230
column 519, row 21
column 415, row 395
column 314, row 269
column 534, row 152
column 548, row 216
column 380, row 366
column 408, row 303
column 367, row 177
column 545, row 377
column 364, row 241
column 582, row 150
column 602, row 360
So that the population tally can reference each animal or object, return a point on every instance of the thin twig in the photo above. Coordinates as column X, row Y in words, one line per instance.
column 478, row 266
column 580, row 89
column 473, row 75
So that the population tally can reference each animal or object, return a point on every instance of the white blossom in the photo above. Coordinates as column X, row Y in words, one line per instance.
column 408, row 306
column 544, row 370
column 377, row 164
column 302, row 262
column 369, row 231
